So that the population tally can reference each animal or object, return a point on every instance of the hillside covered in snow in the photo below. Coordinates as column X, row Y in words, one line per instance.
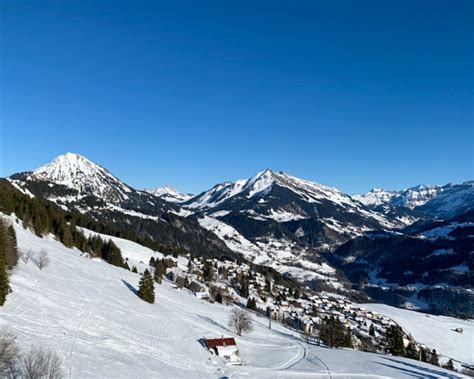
column 88, row 312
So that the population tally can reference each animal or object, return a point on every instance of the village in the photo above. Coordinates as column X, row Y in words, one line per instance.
column 269, row 294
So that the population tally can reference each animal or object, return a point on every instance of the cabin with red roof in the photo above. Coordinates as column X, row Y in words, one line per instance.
column 224, row 347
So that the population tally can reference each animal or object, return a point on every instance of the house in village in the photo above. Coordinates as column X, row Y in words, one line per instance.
column 224, row 347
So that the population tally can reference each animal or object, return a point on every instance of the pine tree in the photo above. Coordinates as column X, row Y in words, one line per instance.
column 395, row 341
column 348, row 339
column 333, row 333
column 372, row 330
column 411, row 351
column 434, row 359
column 160, row 270
column 424, row 355
column 134, row 269
column 152, row 262
column 251, row 303
column 4, row 281
column 146, row 288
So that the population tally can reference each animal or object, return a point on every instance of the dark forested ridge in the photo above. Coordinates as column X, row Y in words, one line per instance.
column 44, row 217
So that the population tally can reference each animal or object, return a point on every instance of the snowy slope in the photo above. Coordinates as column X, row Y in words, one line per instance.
column 170, row 194
column 135, row 254
column 88, row 312
column 434, row 331
column 283, row 256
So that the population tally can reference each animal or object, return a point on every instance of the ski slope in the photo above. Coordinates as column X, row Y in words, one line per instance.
column 437, row 332
column 88, row 312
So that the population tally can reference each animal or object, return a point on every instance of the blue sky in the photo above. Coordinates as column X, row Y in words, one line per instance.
column 352, row 94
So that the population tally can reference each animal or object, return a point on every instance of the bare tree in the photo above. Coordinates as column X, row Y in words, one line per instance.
column 240, row 321
column 9, row 355
column 43, row 259
column 40, row 363
column 26, row 257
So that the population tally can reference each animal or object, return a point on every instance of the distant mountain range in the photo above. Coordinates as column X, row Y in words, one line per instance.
column 170, row 194
column 314, row 233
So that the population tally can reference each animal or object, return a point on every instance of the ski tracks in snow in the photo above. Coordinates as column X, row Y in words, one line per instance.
column 81, row 322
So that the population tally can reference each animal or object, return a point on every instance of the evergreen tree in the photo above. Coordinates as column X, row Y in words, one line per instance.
column 348, row 339
column 424, row 355
column 146, row 288
column 372, row 330
column 411, row 351
column 4, row 281
column 449, row 365
column 395, row 341
column 112, row 254
column 434, row 359
column 268, row 286
column 251, row 303
column 134, row 269
column 160, row 270
column 333, row 334
column 244, row 287
column 152, row 262
column 218, row 298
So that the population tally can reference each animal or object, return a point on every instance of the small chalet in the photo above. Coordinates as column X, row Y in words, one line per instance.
column 224, row 347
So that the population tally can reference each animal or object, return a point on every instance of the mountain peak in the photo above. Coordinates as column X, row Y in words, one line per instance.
column 77, row 172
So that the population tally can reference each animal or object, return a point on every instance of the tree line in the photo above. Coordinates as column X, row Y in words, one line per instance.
column 8, row 258
column 44, row 217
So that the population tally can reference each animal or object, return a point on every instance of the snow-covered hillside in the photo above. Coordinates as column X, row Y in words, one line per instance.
column 437, row 332
column 88, row 312
column 284, row 256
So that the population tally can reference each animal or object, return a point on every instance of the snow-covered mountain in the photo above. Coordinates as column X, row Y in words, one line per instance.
column 87, row 178
column 273, row 219
column 169, row 193
column 285, row 222
column 281, row 197
column 426, row 201
column 75, row 183
column 271, row 198
column 409, row 198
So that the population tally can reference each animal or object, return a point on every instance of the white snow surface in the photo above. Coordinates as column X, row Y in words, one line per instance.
column 170, row 194
column 436, row 332
column 87, row 311
column 136, row 255
column 410, row 197
column 77, row 172
column 281, row 255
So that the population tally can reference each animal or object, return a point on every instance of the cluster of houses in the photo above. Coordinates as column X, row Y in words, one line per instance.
column 302, row 312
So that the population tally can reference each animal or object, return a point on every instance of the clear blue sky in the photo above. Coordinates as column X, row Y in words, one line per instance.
column 352, row 94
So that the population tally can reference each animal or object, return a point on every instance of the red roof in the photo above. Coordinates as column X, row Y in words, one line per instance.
column 214, row 342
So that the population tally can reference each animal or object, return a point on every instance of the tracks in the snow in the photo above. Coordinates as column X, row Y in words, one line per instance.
column 78, row 327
